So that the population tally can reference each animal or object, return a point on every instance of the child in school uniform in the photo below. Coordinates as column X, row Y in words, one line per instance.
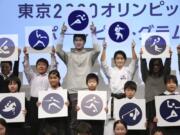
column 8, row 70
column 130, row 88
column 120, row 128
column 14, row 85
column 171, row 83
column 92, row 81
column 38, row 81
column 118, row 75
column 59, row 123
column 79, row 63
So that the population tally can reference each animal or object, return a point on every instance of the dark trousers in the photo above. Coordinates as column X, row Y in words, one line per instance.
column 72, row 119
column 33, row 114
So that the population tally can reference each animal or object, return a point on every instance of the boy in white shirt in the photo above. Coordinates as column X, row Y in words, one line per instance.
column 37, row 81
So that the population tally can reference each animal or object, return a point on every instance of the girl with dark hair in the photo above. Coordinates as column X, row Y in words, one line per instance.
column 59, row 123
column 154, row 82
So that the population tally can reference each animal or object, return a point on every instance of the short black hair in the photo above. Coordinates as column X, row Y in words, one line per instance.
column 157, row 130
column 121, row 122
column 42, row 60
column 84, row 127
column 14, row 79
column 8, row 62
column 49, row 130
column 92, row 76
column 169, row 78
column 55, row 72
column 119, row 52
column 82, row 36
column 130, row 84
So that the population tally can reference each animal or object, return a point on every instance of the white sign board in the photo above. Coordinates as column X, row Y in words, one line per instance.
column 168, row 110
column 12, row 107
column 52, row 104
column 39, row 39
column 92, row 105
column 155, row 45
column 9, row 47
column 132, row 112
column 78, row 20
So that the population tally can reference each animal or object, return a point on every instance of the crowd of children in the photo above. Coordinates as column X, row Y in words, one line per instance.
column 79, row 63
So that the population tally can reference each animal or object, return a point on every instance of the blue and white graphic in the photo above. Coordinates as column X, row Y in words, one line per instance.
column 170, row 117
column 39, row 39
column 8, row 47
column 172, row 107
column 92, row 105
column 12, row 106
column 132, row 111
column 155, row 45
column 53, row 103
column 78, row 20
column 118, row 32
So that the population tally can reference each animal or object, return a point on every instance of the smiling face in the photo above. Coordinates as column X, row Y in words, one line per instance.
column 41, row 67
column 54, row 80
column 5, row 68
column 119, row 61
column 13, row 87
column 79, row 43
column 171, row 86
column 120, row 129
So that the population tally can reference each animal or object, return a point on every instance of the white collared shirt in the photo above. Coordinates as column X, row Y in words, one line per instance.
column 118, row 77
column 37, row 82
column 171, row 93
column 59, row 88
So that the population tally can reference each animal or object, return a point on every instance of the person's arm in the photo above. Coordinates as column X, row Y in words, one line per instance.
column 27, row 68
column 96, row 48
column 178, row 51
column 54, row 62
column 133, row 65
column 104, row 65
column 16, row 64
column 59, row 46
column 167, row 65
column 144, row 69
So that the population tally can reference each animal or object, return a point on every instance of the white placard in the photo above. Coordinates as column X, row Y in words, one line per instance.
column 38, row 39
column 116, row 31
column 52, row 104
column 12, row 107
column 168, row 110
column 155, row 45
column 9, row 47
column 92, row 105
column 132, row 112
column 78, row 20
